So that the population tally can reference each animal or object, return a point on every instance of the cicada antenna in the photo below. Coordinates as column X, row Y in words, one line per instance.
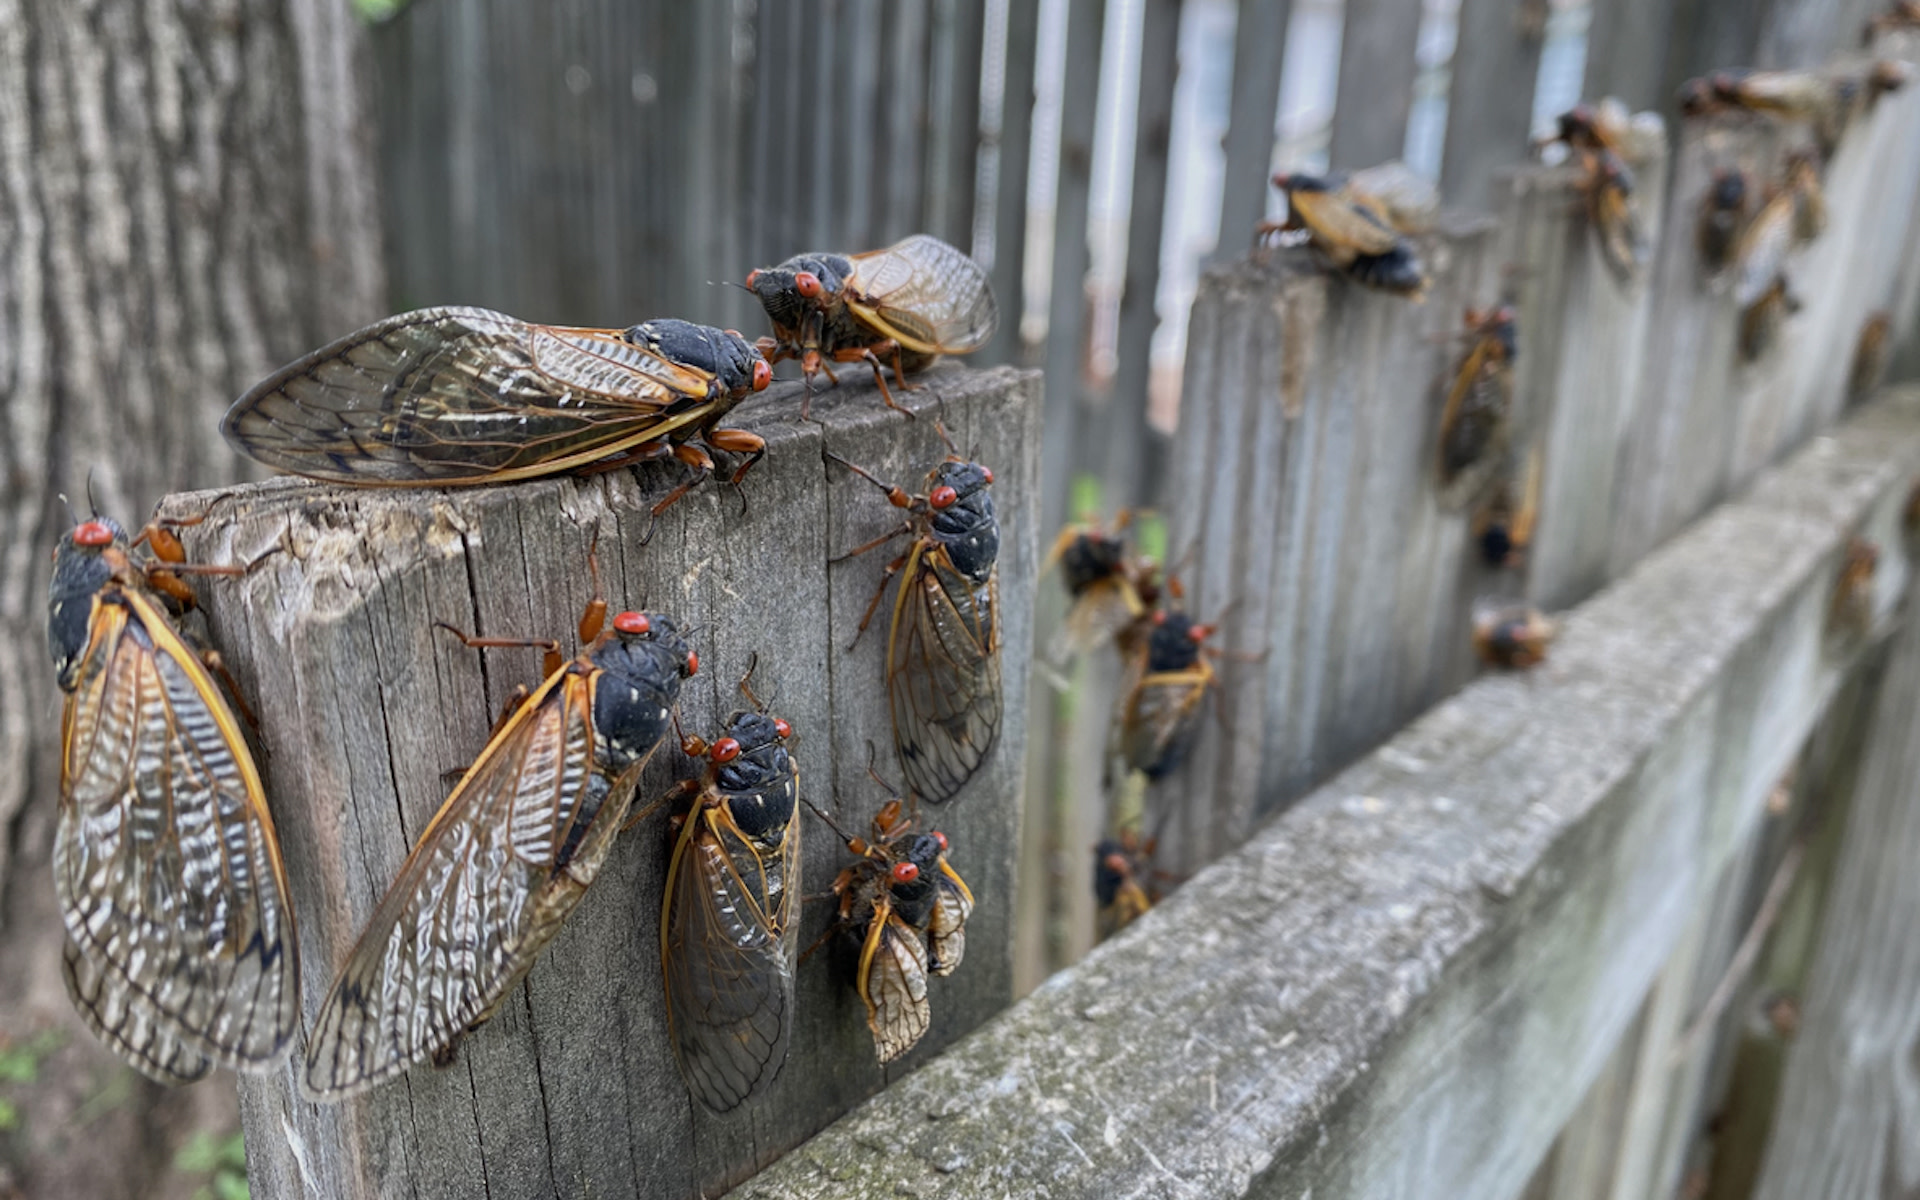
column 759, row 706
column 873, row 772
column 93, row 506
column 831, row 823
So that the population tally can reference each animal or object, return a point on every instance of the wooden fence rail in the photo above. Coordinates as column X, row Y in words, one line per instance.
column 1403, row 986
column 572, row 1090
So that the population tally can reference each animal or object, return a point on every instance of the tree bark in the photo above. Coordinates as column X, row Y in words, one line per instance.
column 185, row 202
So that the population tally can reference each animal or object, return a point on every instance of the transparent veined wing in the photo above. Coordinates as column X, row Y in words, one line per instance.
column 943, row 674
column 463, row 395
column 727, row 937
column 182, row 945
column 928, row 296
column 486, row 886
column 947, row 928
column 892, row 981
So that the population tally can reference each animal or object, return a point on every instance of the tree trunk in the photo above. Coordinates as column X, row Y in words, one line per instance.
column 185, row 203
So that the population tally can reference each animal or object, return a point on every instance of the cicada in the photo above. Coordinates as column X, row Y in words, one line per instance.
column 908, row 908
column 1870, row 354
column 1352, row 232
column 1902, row 14
column 1723, row 216
column 1475, row 424
column 1513, row 637
column 1594, row 128
column 1761, row 253
column 181, row 949
column 1105, row 583
column 1503, row 527
column 1160, row 706
column 1850, row 611
column 1608, row 187
column 448, row 397
column 901, row 307
column 943, row 654
column 730, row 917
column 1122, row 869
column 507, row 857
column 1809, row 197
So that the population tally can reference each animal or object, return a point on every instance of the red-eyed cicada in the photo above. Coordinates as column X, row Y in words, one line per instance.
column 1352, row 230
column 908, row 908
column 1167, row 679
column 900, row 307
column 732, row 912
column 181, row 950
column 444, row 397
column 1513, row 637
column 507, row 857
column 1122, row 881
column 1109, row 588
column 1475, row 425
column 943, row 654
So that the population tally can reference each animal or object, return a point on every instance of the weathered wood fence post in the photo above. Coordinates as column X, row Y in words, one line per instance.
column 571, row 1090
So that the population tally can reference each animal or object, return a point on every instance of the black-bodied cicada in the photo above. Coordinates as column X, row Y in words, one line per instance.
column 445, row 397
column 1110, row 589
column 1513, row 637
column 1352, row 230
column 1503, row 526
column 1122, row 881
column 1167, row 679
column 943, row 654
column 900, row 307
column 507, row 857
column 731, row 914
column 1722, row 219
column 1475, row 424
column 181, row 949
column 907, row 908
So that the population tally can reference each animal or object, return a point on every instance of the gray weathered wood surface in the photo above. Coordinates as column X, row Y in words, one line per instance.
column 1496, row 59
column 571, row 1090
column 1403, row 986
column 1375, row 93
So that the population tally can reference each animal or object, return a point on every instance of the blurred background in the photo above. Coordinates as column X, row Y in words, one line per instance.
column 194, row 193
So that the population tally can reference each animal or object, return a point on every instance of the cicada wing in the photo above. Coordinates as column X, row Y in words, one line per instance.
column 925, row 294
column 1622, row 244
column 165, row 863
column 462, row 395
column 486, row 886
column 943, row 674
column 117, row 1017
column 1162, row 717
column 1762, row 250
column 893, row 983
column 1341, row 225
column 1097, row 617
column 727, row 942
column 1475, row 427
column 947, row 928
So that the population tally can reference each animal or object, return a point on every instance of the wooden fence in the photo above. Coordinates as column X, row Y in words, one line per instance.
column 1516, row 946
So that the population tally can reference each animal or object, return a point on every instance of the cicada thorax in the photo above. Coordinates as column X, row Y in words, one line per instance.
column 730, row 918
column 1161, row 710
column 1104, row 584
column 1723, row 215
column 505, row 860
column 181, row 946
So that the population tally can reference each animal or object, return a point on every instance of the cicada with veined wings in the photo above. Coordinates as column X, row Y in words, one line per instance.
column 181, row 950
column 731, row 915
column 943, row 654
column 508, row 856
column 908, row 909
column 445, row 397
column 901, row 307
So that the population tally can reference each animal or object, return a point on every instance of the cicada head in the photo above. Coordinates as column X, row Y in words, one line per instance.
column 736, row 364
column 81, row 567
column 754, row 772
column 1174, row 644
column 802, row 284
column 963, row 519
column 1729, row 189
column 1089, row 557
column 643, row 662
column 913, row 878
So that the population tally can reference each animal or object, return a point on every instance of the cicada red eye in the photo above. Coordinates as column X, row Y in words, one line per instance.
column 1200, row 633
column 762, row 376
column 943, row 497
column 752, row 275
column 986, row 473
column 808, row 285
column 1160, row 618
column 905, row 872
column 693, row 663
column 93, row 533
column 724, row 751
column 632, row 622
column 1118, row 864
column 781, row 727
column 942, row 839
